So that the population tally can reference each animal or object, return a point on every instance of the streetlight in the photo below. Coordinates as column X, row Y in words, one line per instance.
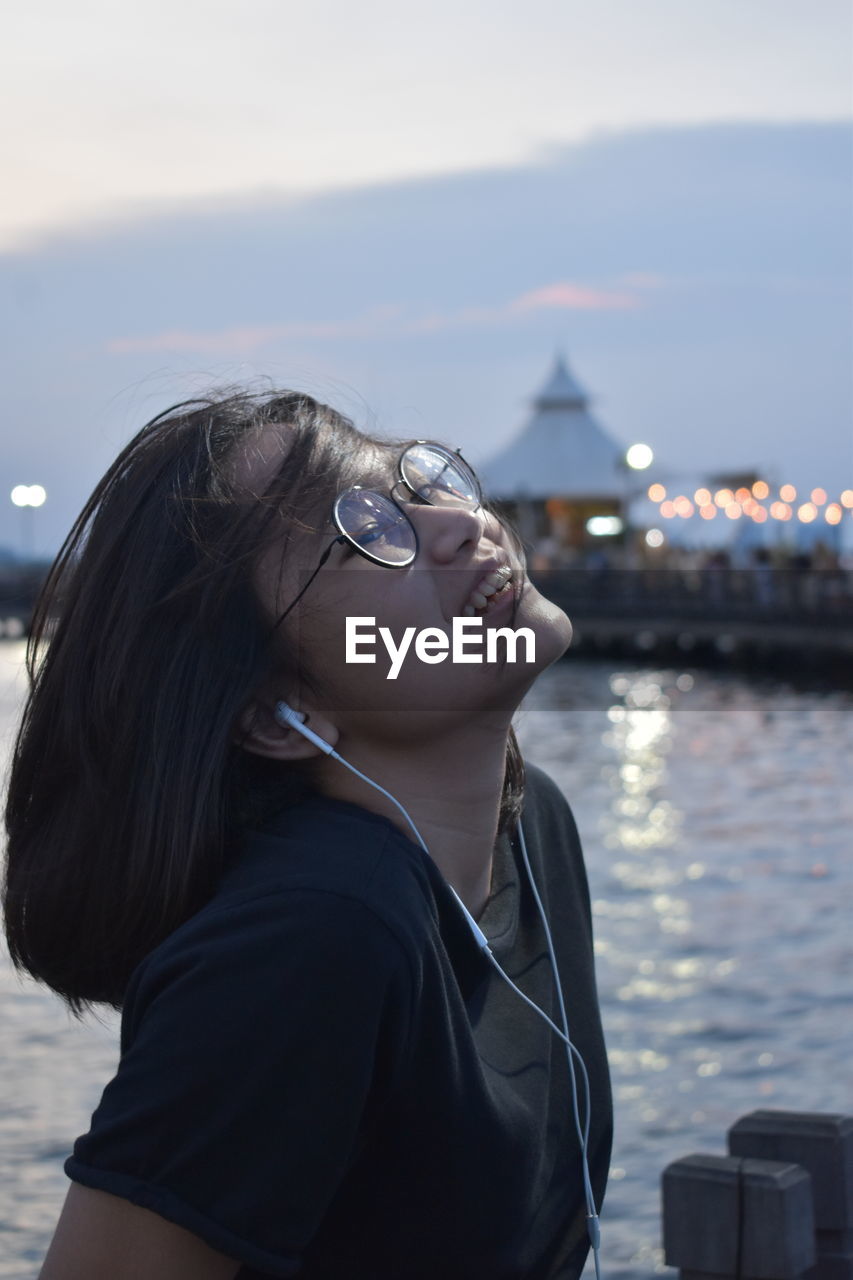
column 637, row 457
column 27, row 497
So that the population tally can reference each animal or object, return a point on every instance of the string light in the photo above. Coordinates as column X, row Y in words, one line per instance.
column 748, row 502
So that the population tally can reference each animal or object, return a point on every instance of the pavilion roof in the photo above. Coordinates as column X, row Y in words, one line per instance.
column 562, row 451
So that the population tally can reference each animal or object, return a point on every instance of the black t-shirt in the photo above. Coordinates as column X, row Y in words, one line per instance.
column 321, row 1075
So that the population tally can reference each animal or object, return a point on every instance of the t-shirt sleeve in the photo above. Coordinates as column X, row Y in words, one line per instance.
column 257, row 1043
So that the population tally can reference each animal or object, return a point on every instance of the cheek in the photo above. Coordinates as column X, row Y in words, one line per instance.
column 393, row 601
column 374, row 596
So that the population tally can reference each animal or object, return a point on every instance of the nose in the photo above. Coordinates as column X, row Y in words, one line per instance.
column 445, row 531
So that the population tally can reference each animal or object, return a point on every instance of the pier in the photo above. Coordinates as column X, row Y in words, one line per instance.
column 756, row 617
column 19, row 589
column 779, row 1206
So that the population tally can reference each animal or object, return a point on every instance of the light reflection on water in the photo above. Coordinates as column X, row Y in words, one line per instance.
column 716, row 818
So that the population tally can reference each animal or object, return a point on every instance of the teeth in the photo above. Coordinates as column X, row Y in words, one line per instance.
column 493, row 581
column 483, row 592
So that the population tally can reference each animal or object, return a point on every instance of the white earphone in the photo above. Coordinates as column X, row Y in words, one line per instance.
column 289, row 718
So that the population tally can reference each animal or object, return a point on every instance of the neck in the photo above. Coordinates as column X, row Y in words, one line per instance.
column 452, row 790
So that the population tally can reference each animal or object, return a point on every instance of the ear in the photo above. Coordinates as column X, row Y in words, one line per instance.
column 260, row 732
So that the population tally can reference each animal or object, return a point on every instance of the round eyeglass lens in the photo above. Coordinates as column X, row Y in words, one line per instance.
column 376, row 525
column 439, row 476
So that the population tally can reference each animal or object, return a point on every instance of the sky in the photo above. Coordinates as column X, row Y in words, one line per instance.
column 407, row 212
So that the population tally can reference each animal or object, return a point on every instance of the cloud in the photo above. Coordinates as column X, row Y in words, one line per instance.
column 574, row 297
column 697, row 250
column 372, row 323
column 386, row 320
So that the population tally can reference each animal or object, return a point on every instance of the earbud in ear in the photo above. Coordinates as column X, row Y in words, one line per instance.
column 286, row 716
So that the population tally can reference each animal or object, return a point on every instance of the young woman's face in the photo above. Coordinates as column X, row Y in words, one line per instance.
column 458, row 550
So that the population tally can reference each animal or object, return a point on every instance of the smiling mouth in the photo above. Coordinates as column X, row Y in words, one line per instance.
column 492, row 590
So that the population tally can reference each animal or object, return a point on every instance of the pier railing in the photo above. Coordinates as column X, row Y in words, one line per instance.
column 821, row 596
column 777, row 1207
column 751, row 617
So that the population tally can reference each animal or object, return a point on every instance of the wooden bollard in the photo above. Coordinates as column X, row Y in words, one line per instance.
column 822, row 1144
column 727, row 1216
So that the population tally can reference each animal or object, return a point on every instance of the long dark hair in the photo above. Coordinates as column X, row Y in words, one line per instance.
column 147, row 641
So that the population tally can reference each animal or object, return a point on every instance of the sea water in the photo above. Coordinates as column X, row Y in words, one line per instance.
column 716, row 815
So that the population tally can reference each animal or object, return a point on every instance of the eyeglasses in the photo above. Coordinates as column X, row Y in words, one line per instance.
column 376, row 526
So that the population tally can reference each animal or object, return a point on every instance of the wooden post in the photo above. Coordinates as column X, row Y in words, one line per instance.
column 728, row 1216
column 822, row 1144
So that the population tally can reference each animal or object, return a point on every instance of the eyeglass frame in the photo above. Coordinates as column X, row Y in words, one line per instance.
column 343, row 536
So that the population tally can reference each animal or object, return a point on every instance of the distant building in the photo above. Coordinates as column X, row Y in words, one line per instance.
column 560, row 470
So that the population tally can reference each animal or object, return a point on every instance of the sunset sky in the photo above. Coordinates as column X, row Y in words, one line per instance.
column 406, row 212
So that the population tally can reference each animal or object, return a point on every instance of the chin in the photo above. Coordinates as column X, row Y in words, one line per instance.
column 550, row 623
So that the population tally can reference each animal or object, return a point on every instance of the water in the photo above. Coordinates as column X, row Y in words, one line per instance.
column 716, row 815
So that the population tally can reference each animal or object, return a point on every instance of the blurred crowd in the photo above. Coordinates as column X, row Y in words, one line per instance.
column 818, row 580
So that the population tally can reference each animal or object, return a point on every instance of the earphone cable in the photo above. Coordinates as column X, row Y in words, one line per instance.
column 593, row 1225
column 294, row 719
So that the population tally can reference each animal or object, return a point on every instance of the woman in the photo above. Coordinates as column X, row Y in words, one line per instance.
column 323, row 1072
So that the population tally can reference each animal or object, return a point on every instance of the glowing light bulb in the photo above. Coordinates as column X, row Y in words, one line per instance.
column 639, row 456
column 28, row 495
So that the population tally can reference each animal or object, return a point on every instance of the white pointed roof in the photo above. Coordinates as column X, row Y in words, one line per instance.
column 561, row 390
column 563, row 452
